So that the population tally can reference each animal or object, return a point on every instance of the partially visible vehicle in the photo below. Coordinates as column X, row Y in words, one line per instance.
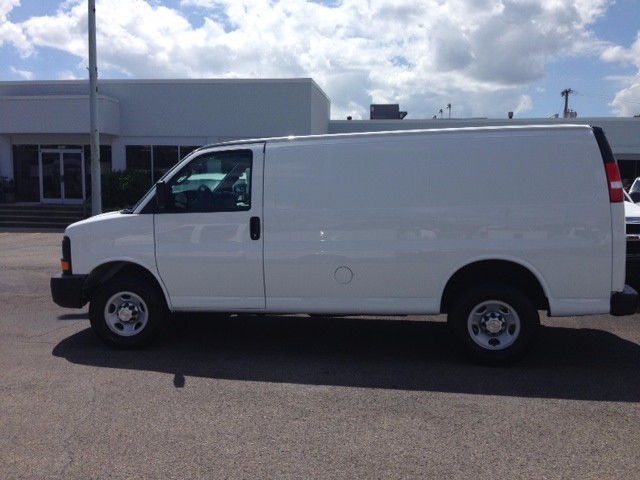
column 632, row 227
column 631, row 216
column 634, row 191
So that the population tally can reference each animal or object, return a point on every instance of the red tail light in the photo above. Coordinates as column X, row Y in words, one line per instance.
column 614, row 179
column 616, row 193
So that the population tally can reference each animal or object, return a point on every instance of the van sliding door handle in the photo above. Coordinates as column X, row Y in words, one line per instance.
column 255, row 228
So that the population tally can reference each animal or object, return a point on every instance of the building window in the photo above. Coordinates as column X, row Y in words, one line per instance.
column 155, row 160
column 186, row 150
column 629, row 171
column 139, row 159
column 26, row 173
column 164, row 157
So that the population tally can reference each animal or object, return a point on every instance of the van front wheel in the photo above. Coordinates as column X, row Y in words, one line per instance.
column 126, row 312
column 495, row 323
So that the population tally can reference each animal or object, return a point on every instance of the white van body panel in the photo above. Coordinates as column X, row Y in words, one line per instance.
column 209, row 262
column 113, row 237
column 379, row 224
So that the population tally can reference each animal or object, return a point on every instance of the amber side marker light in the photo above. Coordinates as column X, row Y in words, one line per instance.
column 65, row 265
column 65, row 260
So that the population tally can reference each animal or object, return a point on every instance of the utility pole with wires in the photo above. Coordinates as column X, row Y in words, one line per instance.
column 96, row 188
column 565, row 93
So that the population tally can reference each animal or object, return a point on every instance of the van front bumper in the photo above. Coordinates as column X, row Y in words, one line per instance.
column 67, row 290
column 624, row 302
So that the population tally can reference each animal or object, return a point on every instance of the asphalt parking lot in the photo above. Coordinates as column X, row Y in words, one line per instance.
column 298, row 397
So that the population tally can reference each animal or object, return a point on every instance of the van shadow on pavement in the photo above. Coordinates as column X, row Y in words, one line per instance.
column 566, row 363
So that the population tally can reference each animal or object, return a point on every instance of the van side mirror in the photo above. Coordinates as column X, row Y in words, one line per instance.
column 162, row 194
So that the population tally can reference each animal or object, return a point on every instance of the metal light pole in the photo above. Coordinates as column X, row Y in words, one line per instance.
column 96, row 188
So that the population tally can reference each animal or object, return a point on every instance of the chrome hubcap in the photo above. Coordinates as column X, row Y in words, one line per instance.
column 494, row 325
column 126, row 314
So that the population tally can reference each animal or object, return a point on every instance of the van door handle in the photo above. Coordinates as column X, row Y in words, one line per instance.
column 254, row 224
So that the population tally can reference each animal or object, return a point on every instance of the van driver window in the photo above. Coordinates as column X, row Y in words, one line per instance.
column 213, row 182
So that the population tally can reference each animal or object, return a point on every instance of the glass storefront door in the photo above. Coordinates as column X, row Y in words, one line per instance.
column 62, row 176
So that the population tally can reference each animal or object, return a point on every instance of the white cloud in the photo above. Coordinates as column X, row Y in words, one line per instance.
column 619, row 54
column 479, row 55
column 67, row 75
column 6, row 6
column 24, row 74
column 627, row 101
column 11, row 33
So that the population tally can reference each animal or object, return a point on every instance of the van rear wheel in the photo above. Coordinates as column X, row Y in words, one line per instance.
column 495, row 323
column 126, row 312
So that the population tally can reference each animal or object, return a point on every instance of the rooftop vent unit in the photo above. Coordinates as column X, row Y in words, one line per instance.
column 389, row 111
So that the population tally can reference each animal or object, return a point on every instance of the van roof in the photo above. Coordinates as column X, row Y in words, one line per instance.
column 384, row 133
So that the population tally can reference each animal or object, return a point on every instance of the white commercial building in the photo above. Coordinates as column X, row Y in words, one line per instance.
column 144, row 125
column 148, row 125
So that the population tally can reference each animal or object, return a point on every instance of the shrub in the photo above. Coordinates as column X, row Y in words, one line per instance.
column 123, row 188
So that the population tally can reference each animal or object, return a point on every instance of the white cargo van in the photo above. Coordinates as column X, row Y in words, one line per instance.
column 488, row 225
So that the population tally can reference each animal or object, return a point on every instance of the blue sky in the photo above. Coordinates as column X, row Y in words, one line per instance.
column 484, row 57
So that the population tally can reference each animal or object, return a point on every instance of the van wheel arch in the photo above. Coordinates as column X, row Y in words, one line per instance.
column 493, row 271
column 106, row 272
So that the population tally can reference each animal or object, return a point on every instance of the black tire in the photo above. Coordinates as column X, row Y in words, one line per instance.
column 494, row 323
column 127, row 312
